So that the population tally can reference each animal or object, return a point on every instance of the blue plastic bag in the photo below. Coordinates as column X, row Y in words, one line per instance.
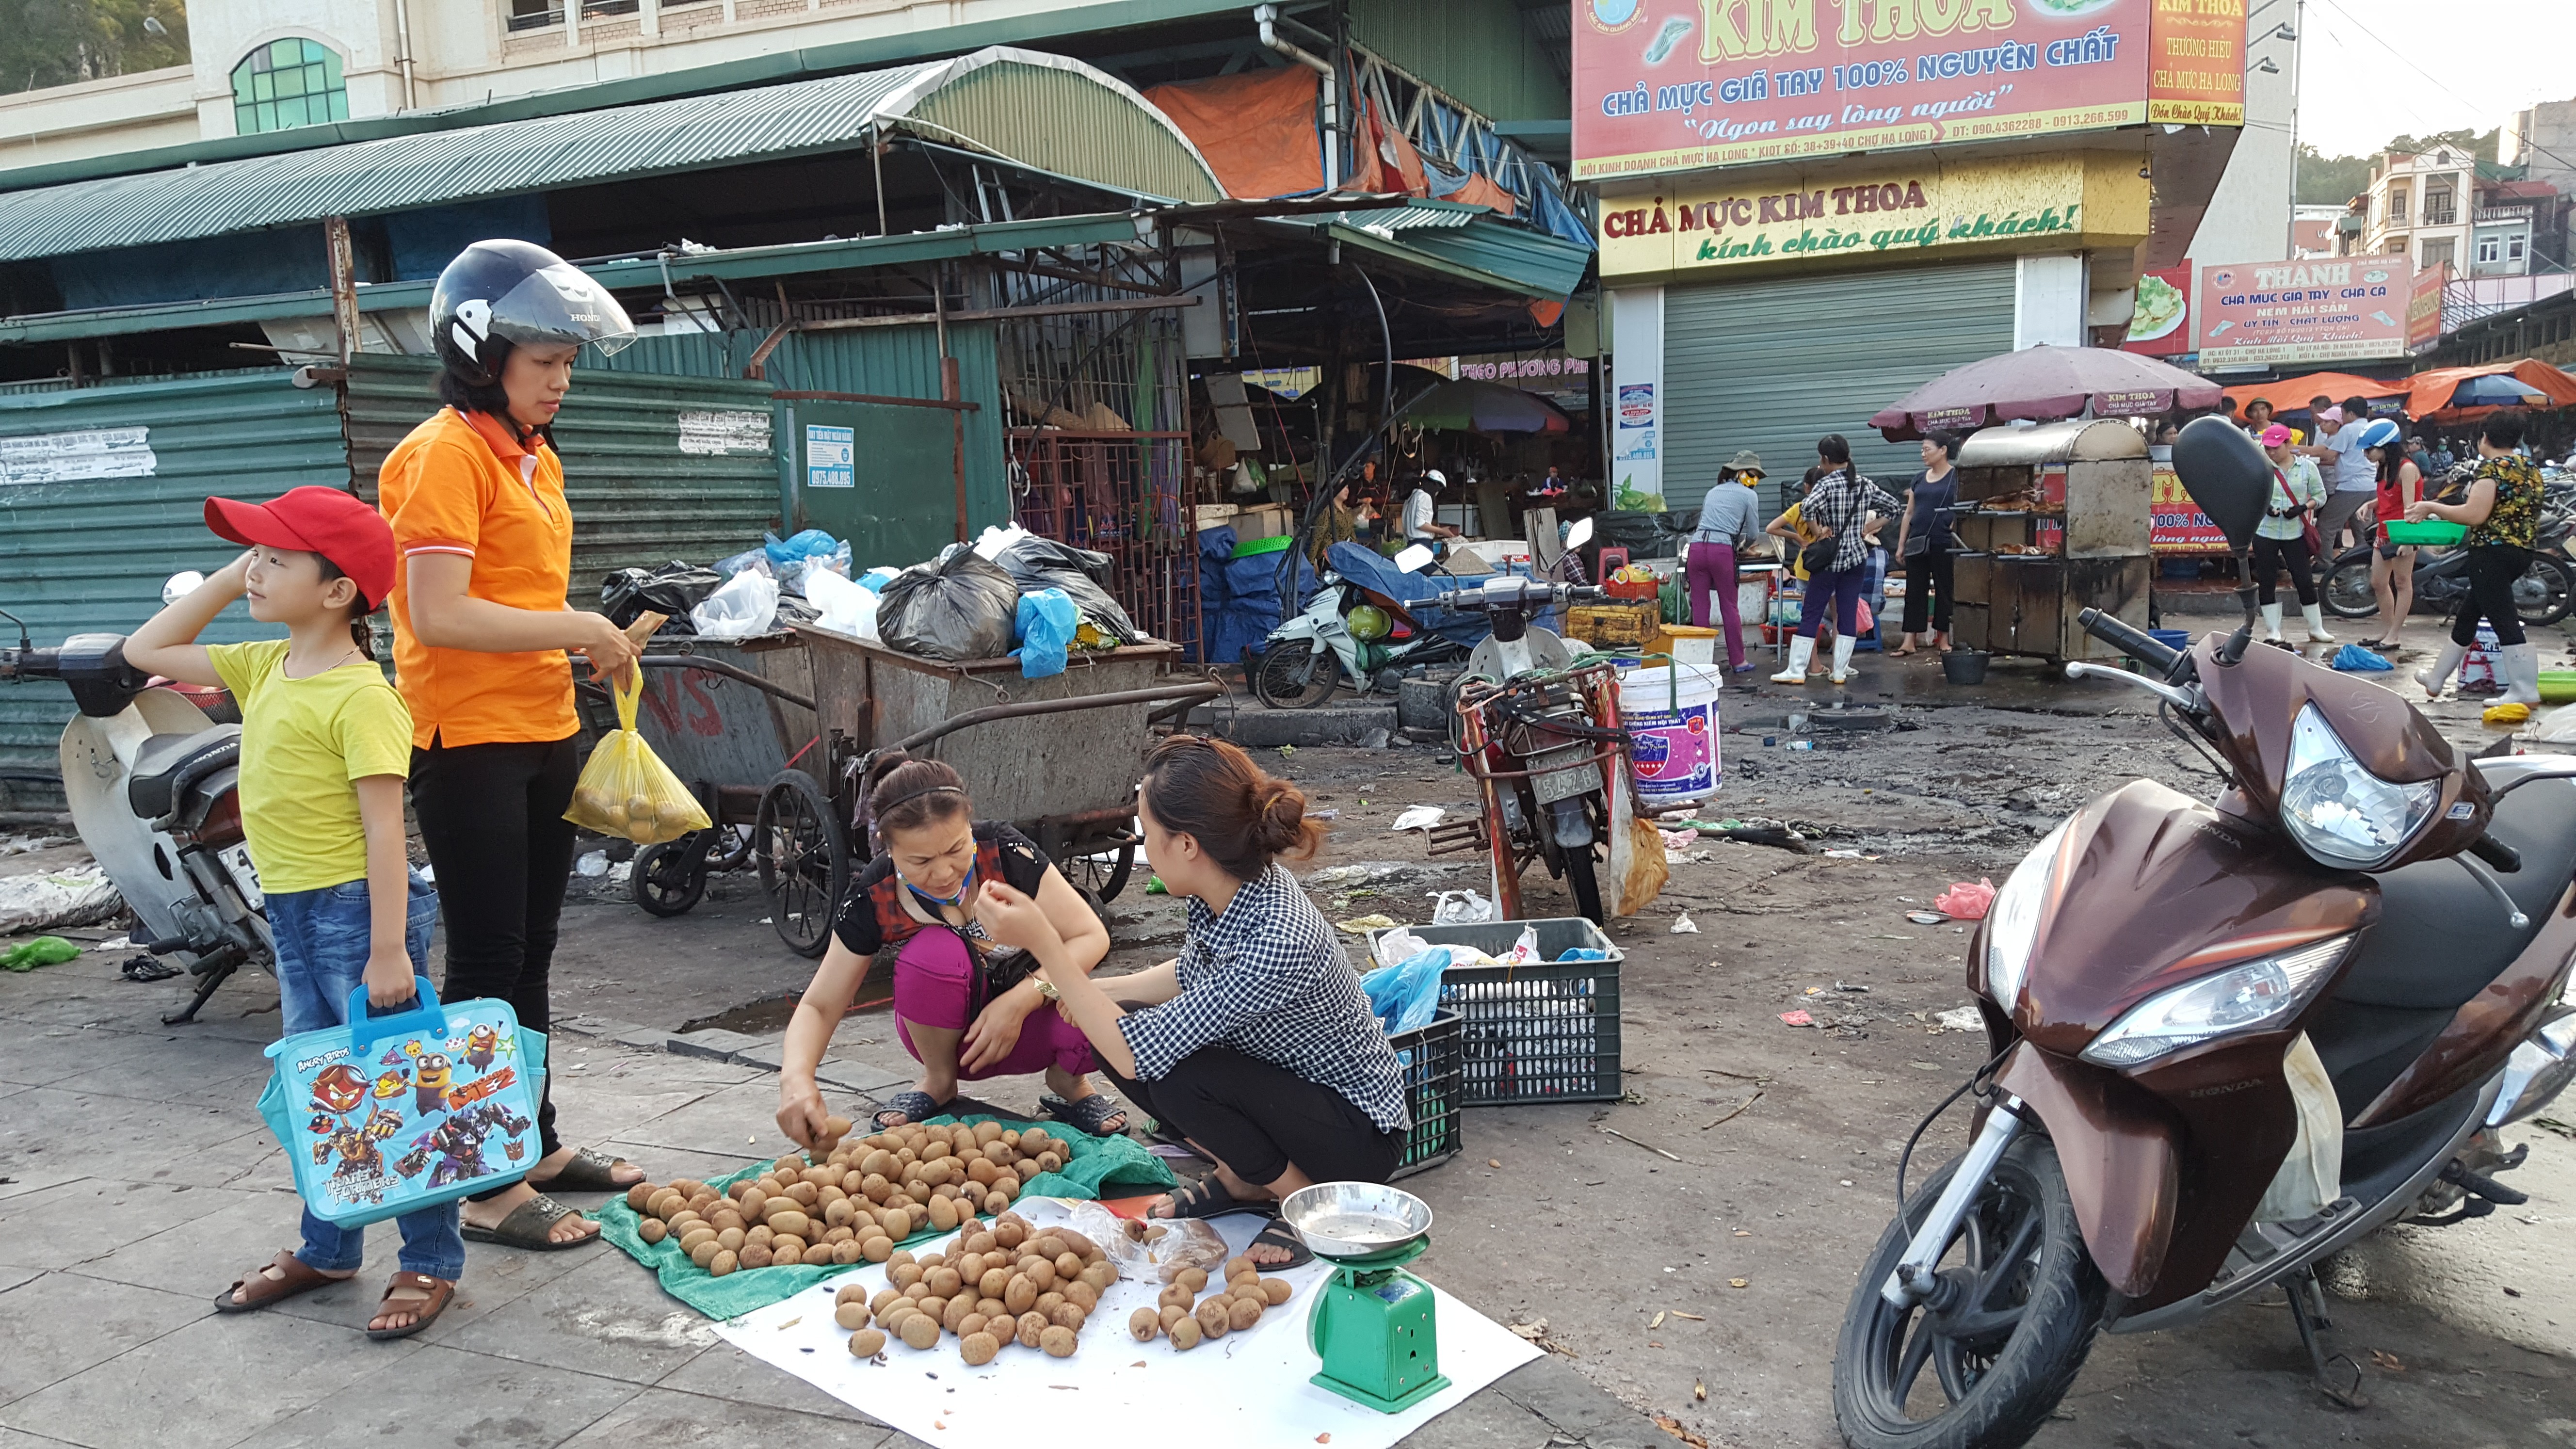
column 446, row 1110
column 2354, row 658
column 1045, row 628
column 875, row 579
column 811, row 543
column 1407, row 995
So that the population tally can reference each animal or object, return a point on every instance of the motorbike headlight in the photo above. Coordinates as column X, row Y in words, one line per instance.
column 2340, row 813
column 2012, row 922
column 2250, row 997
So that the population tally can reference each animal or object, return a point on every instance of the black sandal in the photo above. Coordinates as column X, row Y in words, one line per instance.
column 585, row 1171
column 1207, row 1198
column 913, row 1106
column 1089, row 1115
column 1279, row 1234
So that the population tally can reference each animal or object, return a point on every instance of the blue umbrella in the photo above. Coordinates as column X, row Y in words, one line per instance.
column 2497, row 389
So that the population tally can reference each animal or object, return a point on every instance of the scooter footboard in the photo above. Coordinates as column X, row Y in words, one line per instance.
column 2122, row 1154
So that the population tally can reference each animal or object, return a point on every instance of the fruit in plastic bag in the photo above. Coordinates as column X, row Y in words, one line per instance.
column 625, row 790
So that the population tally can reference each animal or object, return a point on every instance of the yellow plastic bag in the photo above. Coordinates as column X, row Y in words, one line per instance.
column 627, row 791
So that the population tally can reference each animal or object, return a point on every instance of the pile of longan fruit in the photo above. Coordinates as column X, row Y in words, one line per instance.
column 856, row 1204
column 1008, row 1283
column 1231, row 1309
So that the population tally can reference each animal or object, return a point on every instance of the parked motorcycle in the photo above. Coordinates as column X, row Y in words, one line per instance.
column 2228, row 1038
column 151, row 783
column 1343, row 633
column 2542, row 595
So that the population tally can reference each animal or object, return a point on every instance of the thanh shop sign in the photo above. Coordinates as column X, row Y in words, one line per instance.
column 1714, row 224
column 1674, row 85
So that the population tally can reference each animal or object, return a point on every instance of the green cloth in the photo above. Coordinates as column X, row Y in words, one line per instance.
column 1097, row 1163
column 42, row 951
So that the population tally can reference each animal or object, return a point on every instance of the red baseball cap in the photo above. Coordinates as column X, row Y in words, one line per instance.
column 327, row 521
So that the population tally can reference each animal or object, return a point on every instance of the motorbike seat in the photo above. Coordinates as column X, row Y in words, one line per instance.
column 161, row 761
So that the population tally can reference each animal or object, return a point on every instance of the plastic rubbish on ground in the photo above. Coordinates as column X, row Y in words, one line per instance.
column 840, row 605
column 54, row 951
column 1418, row 817
column 1407, row 996
column 2354, row 658
column 1362, row 925
column 592, row 865
column 2505, row 714
column 1796, row 1018
column 1965, row 902
column 746, row 605
column 2559, row 727
column 1683, row 925
column 1460, row 908
column 1045, row 629
column 959, row 605
column 626, row 791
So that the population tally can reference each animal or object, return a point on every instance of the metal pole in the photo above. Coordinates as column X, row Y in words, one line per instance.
column 344, row 283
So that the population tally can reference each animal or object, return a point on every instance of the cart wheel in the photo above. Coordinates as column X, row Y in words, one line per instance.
column 670, row 877
column 731, row 848
column 804, row 861
column 1105, row 874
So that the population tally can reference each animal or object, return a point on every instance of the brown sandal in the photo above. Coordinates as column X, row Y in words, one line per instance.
column 295, row 1276
column 434, row 1295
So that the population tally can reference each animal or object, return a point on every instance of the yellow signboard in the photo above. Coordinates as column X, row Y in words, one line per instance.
column 1863, row 213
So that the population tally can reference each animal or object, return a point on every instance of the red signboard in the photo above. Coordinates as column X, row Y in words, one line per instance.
column 2161, row 325
column 1671, row 85
column 2424, row 307
column 2175, row 524
column 2315, row 310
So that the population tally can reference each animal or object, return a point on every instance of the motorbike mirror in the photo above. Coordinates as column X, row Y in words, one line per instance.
column 1579, row 534
column 180, row 585
column 1415, row 559
column 2227, row 474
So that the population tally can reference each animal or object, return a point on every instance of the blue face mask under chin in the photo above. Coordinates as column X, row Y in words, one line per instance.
column 964, row 887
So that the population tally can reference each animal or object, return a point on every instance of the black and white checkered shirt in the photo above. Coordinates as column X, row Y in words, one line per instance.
column 1840, row 502
column 1268, row 979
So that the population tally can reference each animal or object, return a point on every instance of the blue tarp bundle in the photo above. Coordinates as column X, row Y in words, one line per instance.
column 1379, row 575
column 1239, row 597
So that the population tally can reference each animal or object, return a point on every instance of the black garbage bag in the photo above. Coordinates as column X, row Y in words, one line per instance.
column 958, row 606
column 673, row 588
column 1043, row 563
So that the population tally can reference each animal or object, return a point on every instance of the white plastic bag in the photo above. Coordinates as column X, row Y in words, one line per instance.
column 744, row 606
column 845, row 607
column 2312, row 1175
column 1398, row 946
column 1460, row 908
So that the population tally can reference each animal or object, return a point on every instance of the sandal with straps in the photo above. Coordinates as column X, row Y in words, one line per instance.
column 908, row 1107
column 430, row 1297
column 531, row 1225
column 258, row 1290
column 587, row 1171
column 1207, row 1198
column 1089, row 1115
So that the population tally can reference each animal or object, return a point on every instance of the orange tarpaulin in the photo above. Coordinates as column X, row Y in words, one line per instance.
column 1257, row 130
column 2291, row 394
column 1387, row 160
column 1481, row 192
column 2431, row 394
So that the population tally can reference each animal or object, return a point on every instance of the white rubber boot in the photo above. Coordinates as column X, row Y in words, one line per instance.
column 1842, row 657
column 1802, row 651
column 2271, row 623
column 2436, row 676
column 2521, row 674
column 2315, row 616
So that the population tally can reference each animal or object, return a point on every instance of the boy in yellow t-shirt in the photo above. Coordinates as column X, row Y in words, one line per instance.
column 326, row 743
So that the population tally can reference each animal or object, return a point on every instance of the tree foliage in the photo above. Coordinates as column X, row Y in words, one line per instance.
column 2333, row 180
column 60, row 42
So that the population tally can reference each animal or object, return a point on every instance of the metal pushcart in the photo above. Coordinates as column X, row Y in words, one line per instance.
column 773, row 734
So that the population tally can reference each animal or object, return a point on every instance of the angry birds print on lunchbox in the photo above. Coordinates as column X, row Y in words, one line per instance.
column 390, row 1114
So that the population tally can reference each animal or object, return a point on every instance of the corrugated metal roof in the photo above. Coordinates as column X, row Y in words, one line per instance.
column 692, row 133
column 1466, row 242
column 1412, row 216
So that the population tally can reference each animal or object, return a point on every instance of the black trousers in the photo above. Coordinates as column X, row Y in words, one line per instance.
column 2272, row 554
column 1926, row 574
column 491, row 818
column 1256, row 1119
column 2491, row 570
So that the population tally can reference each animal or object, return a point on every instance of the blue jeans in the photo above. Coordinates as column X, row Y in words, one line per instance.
column 322, row 940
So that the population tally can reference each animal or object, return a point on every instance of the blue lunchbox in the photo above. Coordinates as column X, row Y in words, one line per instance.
column 391, row 1114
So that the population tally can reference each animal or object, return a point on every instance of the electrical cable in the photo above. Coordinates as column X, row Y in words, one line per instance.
column 1975, row 1079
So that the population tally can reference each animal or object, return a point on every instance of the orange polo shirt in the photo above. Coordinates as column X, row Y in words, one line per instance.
column 461, row 484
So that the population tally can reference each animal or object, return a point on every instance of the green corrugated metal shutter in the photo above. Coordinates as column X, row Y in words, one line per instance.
column 656, row 467
column 884, row 361
column 1775, row 364
column 88, row 553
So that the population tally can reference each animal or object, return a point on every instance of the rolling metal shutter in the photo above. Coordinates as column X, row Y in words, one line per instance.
column 1775, row 364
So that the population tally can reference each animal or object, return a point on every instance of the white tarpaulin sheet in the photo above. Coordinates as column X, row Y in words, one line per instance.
column 1247, row 1390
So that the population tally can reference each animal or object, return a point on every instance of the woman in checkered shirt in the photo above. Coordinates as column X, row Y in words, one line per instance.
column 1257, row 1044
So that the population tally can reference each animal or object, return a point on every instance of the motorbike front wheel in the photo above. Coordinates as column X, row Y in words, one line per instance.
column 1586, row 886
column 2024, row 1302
column 2347, row 592
column 1291, row 676
column 2545, row 591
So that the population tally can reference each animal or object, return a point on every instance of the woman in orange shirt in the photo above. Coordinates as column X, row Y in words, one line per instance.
column 481, row 630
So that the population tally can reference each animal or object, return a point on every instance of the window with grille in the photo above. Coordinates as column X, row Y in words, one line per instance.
column 290, row 82
column 2439, row 251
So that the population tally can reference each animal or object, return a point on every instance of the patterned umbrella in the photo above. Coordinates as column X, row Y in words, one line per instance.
column 1485, row 407
column 2043, row 384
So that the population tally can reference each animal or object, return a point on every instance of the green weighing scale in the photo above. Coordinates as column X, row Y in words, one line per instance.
column 1374, row 1325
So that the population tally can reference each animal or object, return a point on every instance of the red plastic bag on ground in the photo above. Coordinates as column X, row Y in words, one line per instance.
column 1965, row 902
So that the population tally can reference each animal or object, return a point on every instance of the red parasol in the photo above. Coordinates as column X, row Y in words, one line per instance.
column 2043, row 384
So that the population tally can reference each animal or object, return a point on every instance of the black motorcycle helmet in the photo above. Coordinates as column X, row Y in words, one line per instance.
column 502, row 294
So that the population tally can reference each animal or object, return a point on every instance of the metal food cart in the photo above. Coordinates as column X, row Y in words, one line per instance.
column 772, row 734
column 2051, row 520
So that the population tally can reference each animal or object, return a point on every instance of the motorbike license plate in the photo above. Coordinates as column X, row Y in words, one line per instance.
column 1578, row 777
column 236, row 859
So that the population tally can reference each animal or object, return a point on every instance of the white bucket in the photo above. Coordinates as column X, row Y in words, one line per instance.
column 1675, row 742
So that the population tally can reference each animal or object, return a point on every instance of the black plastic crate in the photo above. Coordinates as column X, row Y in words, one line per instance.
column 1434, row 1060
column 1546, row 1032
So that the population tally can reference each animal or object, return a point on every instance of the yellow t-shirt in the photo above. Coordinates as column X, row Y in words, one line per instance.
column 305, row 744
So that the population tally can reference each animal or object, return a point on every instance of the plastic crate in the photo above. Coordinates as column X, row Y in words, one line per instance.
column 2430, row 531
column 1546, row 1032
column 1434, row 1059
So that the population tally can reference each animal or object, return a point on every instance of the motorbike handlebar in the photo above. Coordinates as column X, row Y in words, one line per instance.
column 2147, row 651
column 30, row 664
column 1468, row 601
column 2496, row 854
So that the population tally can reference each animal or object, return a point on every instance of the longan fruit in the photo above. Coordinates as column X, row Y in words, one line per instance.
column 978, row 1348
column 996, row 1201
column 753, row 1255
column 1081, row 1295
column 983, row 1240
column 845, row 1252
column 651, row 1230
column 992, row 1308
column 1009, row 1232
column 1031, row 1325
column 1144, row 1323
column 902, row 1274
column 1067, row 1315
column 1246, row 1312
column 1190, row 1279
column 758, row 1235
column 974, row 1323
column 877, row 1248
column 852, row 1316
column 783, row 1246
column 1215, row 1316
column 725, row 1261
column 1275, row 1291
column 943, row 1214
column 1068, row 1266
column 886, row 1298
column 1040, row 1271
column 1020, row 1292
column 1058, row 1341
column 867, row 1343
column 953, row 1317
column 921, row 1330
column 1168, row 1315
column 1176, row 1296
column 945, row 1281
column 1186, row 1334
column 1238, row 1265
column 640, row 1196
column 706, row 1250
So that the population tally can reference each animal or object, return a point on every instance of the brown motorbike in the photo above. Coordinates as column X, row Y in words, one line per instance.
column 2229, row 1038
